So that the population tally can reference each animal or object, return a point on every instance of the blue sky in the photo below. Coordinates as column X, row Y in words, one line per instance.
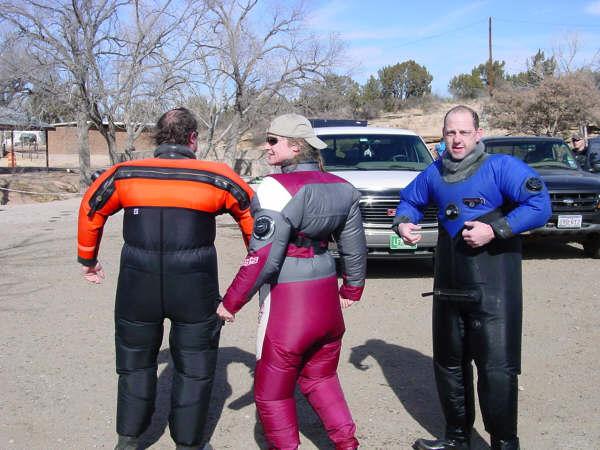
column 452, row 37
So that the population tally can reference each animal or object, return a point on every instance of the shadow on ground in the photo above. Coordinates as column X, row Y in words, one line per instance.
column 309, row 423
column 409, row 374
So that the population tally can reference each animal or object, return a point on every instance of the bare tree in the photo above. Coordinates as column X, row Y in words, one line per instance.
column 12, row 85
column 74, row 38
column 150, row 64
column 246, row 56
column 555, row 106
column 566, row 55
column 566, row 52
column 47, row 101
column 109, row 51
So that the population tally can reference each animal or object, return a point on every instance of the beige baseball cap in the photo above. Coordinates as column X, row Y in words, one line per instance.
column 295, row 126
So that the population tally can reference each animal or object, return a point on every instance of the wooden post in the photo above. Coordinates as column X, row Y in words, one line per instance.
column 13, row 161
column 46, row 139
column 490, row 61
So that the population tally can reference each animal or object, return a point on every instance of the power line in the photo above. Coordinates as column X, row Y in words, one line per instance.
column 530, row 22
column 433, row 36
column 472, row 24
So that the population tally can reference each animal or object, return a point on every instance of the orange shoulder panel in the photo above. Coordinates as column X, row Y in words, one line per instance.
column 189, row 194
column 107, row 195
column 242, row 216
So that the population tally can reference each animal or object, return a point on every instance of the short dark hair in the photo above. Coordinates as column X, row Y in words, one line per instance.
column 175, row 126
column 463, row 108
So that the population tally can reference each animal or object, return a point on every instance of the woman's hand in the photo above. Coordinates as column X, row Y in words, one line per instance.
column 346, row 302
column 224, row 314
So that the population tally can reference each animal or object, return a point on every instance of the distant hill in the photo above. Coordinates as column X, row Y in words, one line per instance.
column 428, row 121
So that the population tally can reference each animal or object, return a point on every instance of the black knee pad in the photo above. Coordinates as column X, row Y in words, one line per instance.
column 137, row 344
column 194, row 347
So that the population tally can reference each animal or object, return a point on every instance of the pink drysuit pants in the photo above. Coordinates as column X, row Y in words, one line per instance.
column 302, row 343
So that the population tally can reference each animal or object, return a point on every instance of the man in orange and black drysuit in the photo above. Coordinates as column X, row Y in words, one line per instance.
column 168, row 270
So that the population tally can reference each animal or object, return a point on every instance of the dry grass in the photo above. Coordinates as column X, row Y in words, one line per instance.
column 37, row 187
column 428, row 122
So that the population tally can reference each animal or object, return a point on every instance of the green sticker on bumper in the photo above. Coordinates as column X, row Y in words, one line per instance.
column 396, row 243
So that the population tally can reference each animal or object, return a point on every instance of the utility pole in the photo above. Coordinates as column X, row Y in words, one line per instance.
column 490, row 77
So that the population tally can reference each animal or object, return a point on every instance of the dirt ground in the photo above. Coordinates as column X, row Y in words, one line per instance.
column 27, row 185
column 57, row 349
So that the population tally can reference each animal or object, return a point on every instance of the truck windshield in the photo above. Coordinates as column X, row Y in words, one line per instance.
column 537, row 154
column 375, row 152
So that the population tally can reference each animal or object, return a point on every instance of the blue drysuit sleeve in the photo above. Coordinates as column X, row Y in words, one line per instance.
column 413, row 199
column 521, row 185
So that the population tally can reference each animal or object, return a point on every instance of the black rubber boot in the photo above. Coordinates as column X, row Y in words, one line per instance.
column 127, row 443
column 505, row 444
column 440, row 444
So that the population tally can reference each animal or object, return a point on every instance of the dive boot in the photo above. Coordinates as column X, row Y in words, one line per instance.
column 127, row 443
column 194, row 447
column 505, row 444
column 440, row 444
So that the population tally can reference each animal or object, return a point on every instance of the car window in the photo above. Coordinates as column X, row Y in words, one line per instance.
column 537, row 154
column 375, row 152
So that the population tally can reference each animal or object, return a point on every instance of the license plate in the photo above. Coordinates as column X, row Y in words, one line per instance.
column 396, row 243
column 569, row 222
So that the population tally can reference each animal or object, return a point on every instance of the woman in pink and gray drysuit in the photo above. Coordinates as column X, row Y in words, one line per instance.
column 300, row 323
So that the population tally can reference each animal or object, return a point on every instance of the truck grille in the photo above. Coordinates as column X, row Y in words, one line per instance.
column 377, row 210
column 571, row 202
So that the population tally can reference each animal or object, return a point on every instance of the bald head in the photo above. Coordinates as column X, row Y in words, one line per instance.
column 463, row 109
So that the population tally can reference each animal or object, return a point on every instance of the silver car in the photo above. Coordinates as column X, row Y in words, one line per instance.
column 380, row 162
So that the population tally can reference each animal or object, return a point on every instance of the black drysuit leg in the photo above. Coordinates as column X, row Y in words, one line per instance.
column 495, row 342
column 453, row 371
column 137, row 346
column 151, row 288
column 194, row 349
column 487, row 332
column 460, row 337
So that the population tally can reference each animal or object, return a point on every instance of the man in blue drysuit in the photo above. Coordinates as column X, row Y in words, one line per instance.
column 484, row 202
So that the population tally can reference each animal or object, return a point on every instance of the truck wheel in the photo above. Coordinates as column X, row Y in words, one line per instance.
column 591, row 247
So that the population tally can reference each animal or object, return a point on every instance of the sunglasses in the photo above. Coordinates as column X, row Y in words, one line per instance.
column 272, row 140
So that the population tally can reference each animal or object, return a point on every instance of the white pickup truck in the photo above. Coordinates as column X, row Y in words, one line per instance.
column 379, row 162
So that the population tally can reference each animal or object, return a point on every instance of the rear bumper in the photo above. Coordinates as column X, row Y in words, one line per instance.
column 550, row 229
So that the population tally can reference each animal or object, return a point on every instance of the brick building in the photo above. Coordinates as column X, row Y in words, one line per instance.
column 62, row 140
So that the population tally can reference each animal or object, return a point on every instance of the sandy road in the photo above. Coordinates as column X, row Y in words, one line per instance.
column 58, row 385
